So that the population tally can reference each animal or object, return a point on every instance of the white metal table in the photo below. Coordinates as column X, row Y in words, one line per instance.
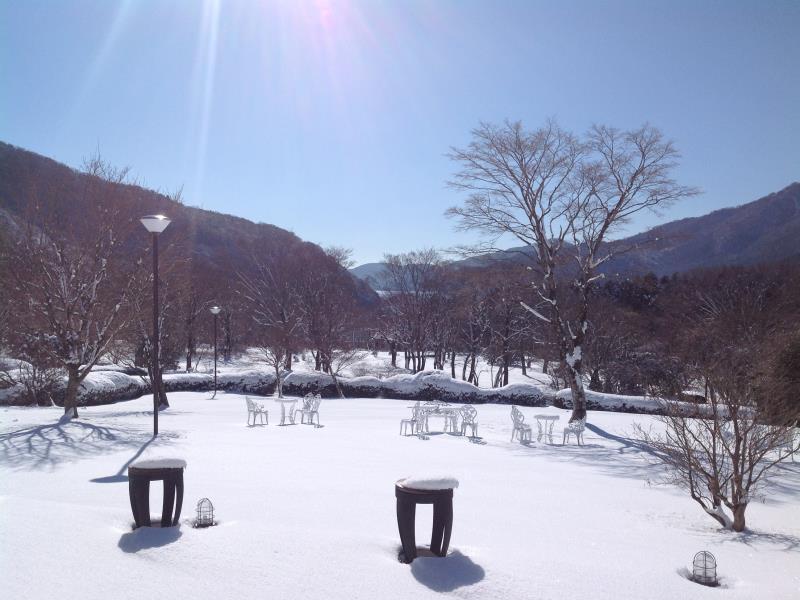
column 544, row 424
column 291, row 402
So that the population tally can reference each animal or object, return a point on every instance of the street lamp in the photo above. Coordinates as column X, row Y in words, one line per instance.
column 155, row 224
column 215, row 311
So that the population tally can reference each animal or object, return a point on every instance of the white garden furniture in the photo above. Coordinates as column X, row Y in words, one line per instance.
column 544, row 425
column 575, row 428
column 311, row 409
column 291, row 402
column 448, row 414
column 307, row 399
column 468, row 416
column 521, row 429
column 256, row 410
column 414, row 422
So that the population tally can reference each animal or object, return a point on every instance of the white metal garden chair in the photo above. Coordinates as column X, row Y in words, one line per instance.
column 312, row 409
column 521, row 429
column 468, row 416
column 307, row 399
column 256, row 410
column 575, row 428
column 415, row 422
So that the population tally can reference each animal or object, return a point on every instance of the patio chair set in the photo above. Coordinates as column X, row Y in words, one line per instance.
column 421, row 413
column 308, row 411
column 544, row 424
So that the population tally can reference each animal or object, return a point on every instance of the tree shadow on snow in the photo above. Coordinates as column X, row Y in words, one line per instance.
column 47, row 446
column 144, row 538
column 445, row 574
column 756, row 538
column 626, row 457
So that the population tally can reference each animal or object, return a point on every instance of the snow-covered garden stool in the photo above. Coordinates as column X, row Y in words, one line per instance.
column 141, row 473
column 437, row 491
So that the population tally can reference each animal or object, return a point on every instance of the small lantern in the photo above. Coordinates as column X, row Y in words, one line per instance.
column 205, row 513
column 704, row 568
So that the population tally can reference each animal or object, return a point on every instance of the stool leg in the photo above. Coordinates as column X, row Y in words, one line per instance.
column 179, row 501
column 406, row 513
column 169, row 501
column 141, row 492
column 132, row 495
column 447, row 517
column 439, row 523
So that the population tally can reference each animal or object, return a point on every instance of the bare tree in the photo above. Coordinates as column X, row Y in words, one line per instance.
column 562, row 196
column 414, row 279
column 723, row 451
column 70, row 278
column 270, row 295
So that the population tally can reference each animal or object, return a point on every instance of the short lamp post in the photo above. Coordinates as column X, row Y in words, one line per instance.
column 155, row 224
column 215, row 311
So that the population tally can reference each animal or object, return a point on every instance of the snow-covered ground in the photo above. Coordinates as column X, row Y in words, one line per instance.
column 310, row 513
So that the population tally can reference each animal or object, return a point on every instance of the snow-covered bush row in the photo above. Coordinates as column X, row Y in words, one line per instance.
column 617, row 402
column 105, row 387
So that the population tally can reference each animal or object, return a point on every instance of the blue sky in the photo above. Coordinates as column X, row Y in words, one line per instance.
column 332, row 118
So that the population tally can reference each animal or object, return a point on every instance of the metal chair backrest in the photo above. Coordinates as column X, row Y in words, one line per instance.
column 468, row 413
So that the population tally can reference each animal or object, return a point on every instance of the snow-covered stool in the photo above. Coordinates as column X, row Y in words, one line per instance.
column 431, row 490
column 141, row 473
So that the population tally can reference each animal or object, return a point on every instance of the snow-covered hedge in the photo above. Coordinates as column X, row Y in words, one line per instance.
column 104, row 387
column 107, row 386
column 615, row 402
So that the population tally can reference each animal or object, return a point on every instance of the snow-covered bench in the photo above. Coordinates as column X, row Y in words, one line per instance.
column 521, row 429
column 468, row 416
column 575, row 428
column 255, row 410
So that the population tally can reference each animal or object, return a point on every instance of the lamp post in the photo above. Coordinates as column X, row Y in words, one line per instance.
column 155, row 224
column 215, row 311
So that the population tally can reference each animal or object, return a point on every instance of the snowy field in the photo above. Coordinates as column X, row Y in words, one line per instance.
column 310, row 513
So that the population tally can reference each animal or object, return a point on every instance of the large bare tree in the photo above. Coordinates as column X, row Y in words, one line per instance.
column 723, row 451
column 70, row 277
column 562, row 196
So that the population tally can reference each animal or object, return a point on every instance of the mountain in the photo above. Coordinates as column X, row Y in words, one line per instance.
column 218, row 244
column 766, row 230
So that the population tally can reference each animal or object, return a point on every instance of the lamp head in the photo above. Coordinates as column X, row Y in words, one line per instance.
column 215, row 310
column 155, row 223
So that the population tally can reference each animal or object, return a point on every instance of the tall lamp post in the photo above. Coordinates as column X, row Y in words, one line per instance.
column 215, row 311
column 155, row 224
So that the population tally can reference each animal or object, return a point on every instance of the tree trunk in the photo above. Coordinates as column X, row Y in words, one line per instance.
column 163, row 402
column 522, row 362
column 572, row 372
column 453, row 364
column 738, row 517
column 71, row 393
column 338, row 385
column 393, row 352
column 278, row 380
column 288, row 364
